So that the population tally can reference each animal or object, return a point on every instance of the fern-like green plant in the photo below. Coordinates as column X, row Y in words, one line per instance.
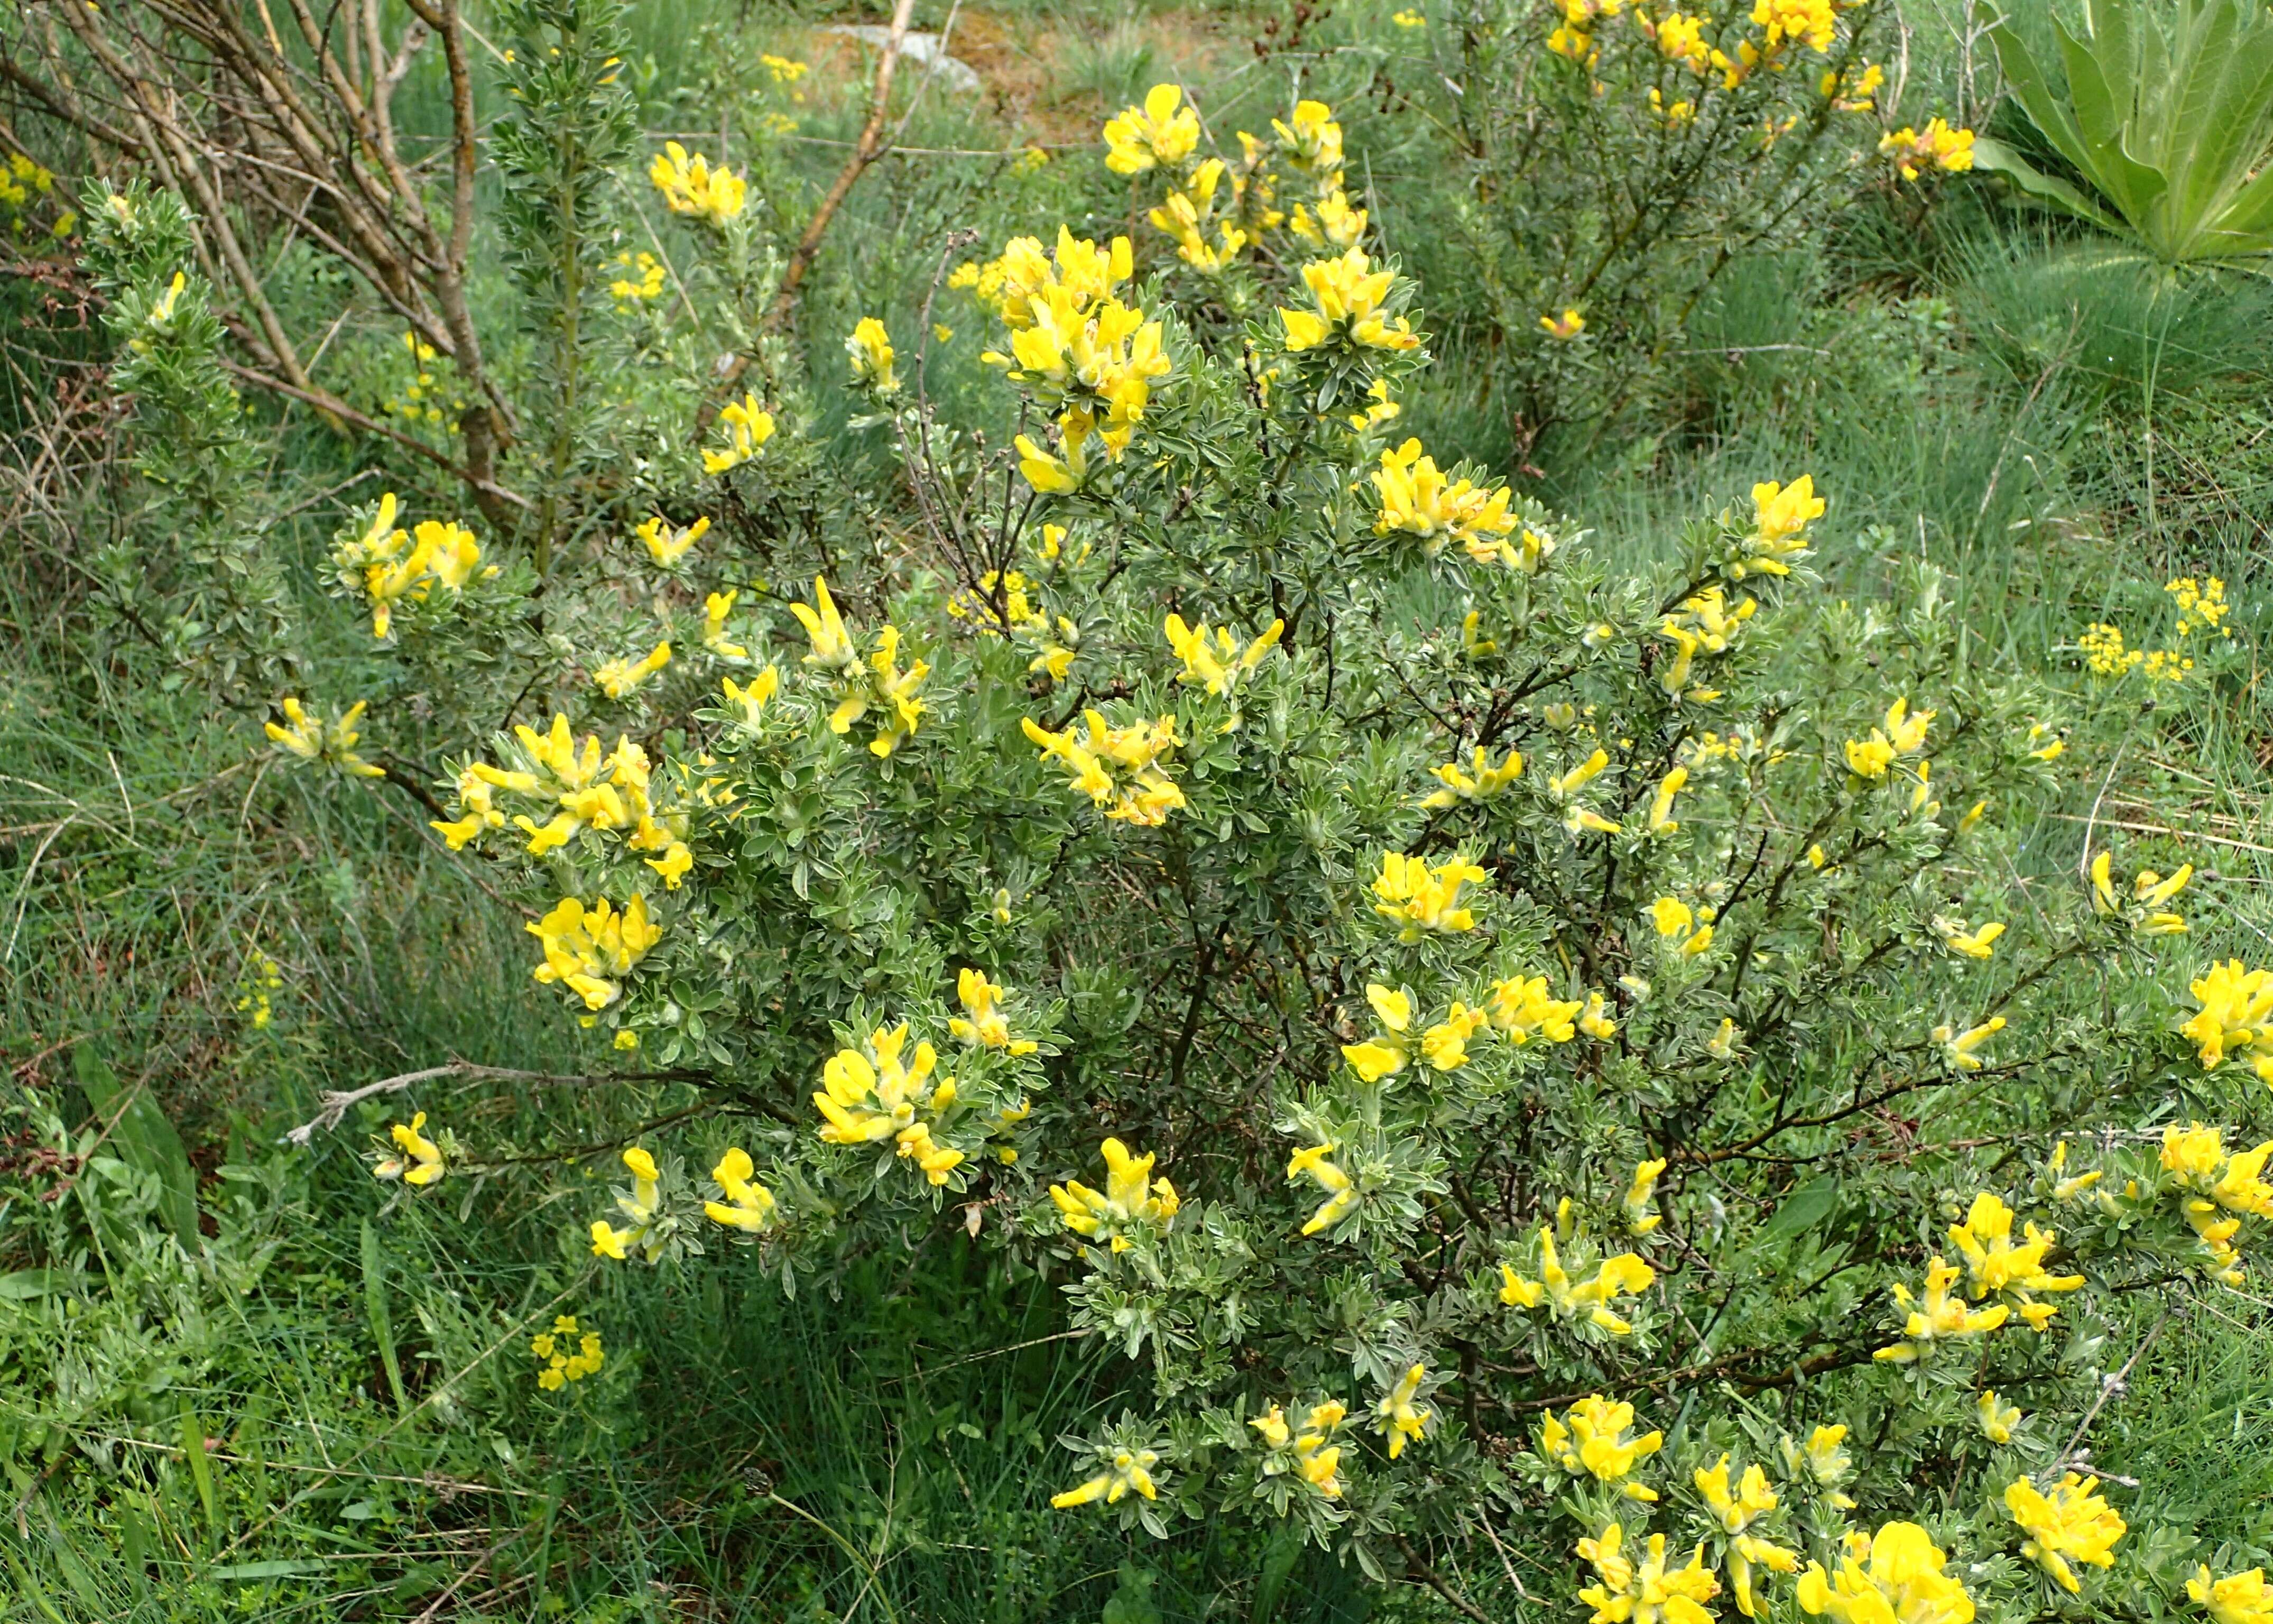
column 2166, row 108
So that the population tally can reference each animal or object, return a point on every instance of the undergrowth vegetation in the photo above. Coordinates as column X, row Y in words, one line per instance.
column 1283, row 812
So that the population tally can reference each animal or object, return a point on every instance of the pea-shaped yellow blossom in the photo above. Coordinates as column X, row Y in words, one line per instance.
column 1221, row 666
column 387, row 566
column 312, row 738
column 1997, row 1419
column 716, row 607
column 1662, row 821
column 1520, row 1008
column 1421, row 899
column 748, row 427
column 1739, row 1509
column 1646, row 1592
column 1960, row 1049
column 1336, row 223
column 421, row 1162
column 1386, row 1053
column 1937, row 147
column 617, row 678
column 589, row 950
column 2071, row 1524
column 667, row 543
column 874, row 1096
column 1481, row 782
column 1131, row 1196
column 1892, row 1577
column 2193, row 1156
column 2236, row 1014
column 1445, row 1046
column 1778, row 538
column 1596, row 1020
column 1996, row 1266
column 1622, row 1276
column 982, row 1021
column 2238, row 1599
column 1162, row 132
column 1123, row 771
column 1747, row 1552
column 1396, row 1417
column 1347, row 297
column 1189, row 210
column 1824, row 1458
column 641, row 1207
column 1939, row 1315
column 1567, row 325
column 869, row 349
column 1704, row 624
column 1687, row 931
column 749, row 1205
column 1978, row 943
column 1594, row 1438
column 876, row 684
column 1641, row 1198
column 1131, row 1469
column 1309, row 1453
column 1313, row 140
column 1341, row 1189
column 1418, row 500
column 691, row 186
column 561, row 1366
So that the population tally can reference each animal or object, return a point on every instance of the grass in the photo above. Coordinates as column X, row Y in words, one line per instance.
column 2060, row 429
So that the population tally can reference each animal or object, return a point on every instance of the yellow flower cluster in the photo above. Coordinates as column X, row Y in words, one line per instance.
column 2235, row 1015
column 611, row 795
column 2069, row 1525
column 1937, row 147
column 1309, row 1452
column 561, row 1366
column 1705, row 623
column 1939, row 1316
column 876, row 684
column 1123, row 771
column 1417, row 500
column 1444, row 1046
column 1162, row 134
column 749, row 1206
column 261, row 980
column 691, row 186
column 618, row 678
column 421, row 1161
column 874, row 1095
column 1594, row 1439
column 1684, row 930
column 982, row 1022
column 1778, row 538
column 1131, row 1469
column 2202, row 605
column 1349, row 308
column 1622, row 1275
column 642, row 278
column 667, row 543
column 1131, row 1198
column 869, row 349
column 1648, row 1591
column 748, row 427
column 1342, row 1191
column 1421, row 899
column 1895, row 1577
column 312, row 738
column 641, row 1206
column 386, row 566
column 2216, row 1192
column 2149, row 891
column 1997, row 1419
column 1904, row 734
column 1396, row 1417
column 590, row 950
column 1481, row 782
column 1739, row 1509
column 1213, row 659
column 1997, row 1267
column 2238, row 1599
column 1960, row 1048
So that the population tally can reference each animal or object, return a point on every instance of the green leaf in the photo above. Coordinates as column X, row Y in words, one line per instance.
column 1803, row 1210
column 193, row 1448
column 374, row 1305
column 26, row 1283
column 143, row 1140
column 1994, row 155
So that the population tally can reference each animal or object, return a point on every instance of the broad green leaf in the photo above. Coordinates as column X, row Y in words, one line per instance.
column 143, row 1140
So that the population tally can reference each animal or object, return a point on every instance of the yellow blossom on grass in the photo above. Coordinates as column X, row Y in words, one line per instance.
column 420, row 1162
column 1997, row 1266
column 312, row 738
column 1396, row 1417
column 1521, row 1006
column 691, row 186
column 1132, row 1196
column 1687, row 931
column 1123, row 771
column 1444, row 1045
column 1622, row 1275
column 2071, row 1524
column 561, row 1366
column 1161, row 132
column 1569, row 325
column 1739, row 1509
column 870, row 1096
column 749, row 1205
column 1213, row 659
column 1594, row 1438
column 1596, row 1020
column 1639, row 1199
column 1421, row 899
column 1781, row 516
column 1937, row 147
column 982, row 1021
column 1417, row 500
column 642, row 1206
column 748, row 427
column 589, row 950
column 716, row 607
column 2236, row 1014
column 666, row 543
column 1972, row 943
column 869, row 348
column 1385, row 1053
column 2238, row 1599
column 1939, row 1316
column 1131, row 1469
column 1895, row 1577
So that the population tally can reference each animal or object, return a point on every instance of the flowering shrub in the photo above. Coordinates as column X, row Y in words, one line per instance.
column 1578, row 1063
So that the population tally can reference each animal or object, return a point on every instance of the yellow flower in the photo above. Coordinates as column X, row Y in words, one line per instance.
column 1972, row 943
column 748, row 427
column 1648, row 1592
column 2237, row 1007
column 1744, row 1552
column 1521, row 1006
column 2046, row 752
column 1594, row 1438
column 1687, row 932
column 1569, row 325
column 1382, row 1055
column 1123, row 771
column 561, row 1366
column 982, row 1021
column 1160, row 132
column 716, row 607
column 869, row 348
column 1416, row 499
column 691, row 186
column 1704, row 624
column 1640, row 1201
column 1892, row 1577
column 1811, row 21
column 1132, row 1196
column 2238, row 1599
column 1347, row 298
column 1958, row 1048
column 1487, row 782
column 665, row 543
column 2070, row 1522
column 387, row 566
column 2193, row 1156
column 1396, row 1417
column 749, row 1206
column 1939, row 1316
column 1937, row 147
column 617, row 678
column 1221, row 667
column 643, row 1206
column 1444, row 1045
column 589, row 950
column 1313, row 139
column 1596, row 1021
column 1341, row 1191
column 1131, row 1469
column 1780, row 516
column 1421, row 899
column 313, row 739
column 1997, row 1420
column 1381, row 411
column 1622, row 1275
column 421, row 1163
column 871, row 1097
column 1408, row 19
column 1996, row 1266
column 1661, row 807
